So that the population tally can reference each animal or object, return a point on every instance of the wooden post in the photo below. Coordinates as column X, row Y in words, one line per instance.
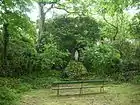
column 102, row 88
column 58, row 90
column 81, row 86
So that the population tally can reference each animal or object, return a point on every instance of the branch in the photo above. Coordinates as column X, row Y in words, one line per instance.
column 43, row 2
column 108, row 22
column 52, row 5
column 112, row 26
column 65, row 8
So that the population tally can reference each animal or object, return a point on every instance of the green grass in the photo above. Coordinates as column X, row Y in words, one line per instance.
column 123, row 94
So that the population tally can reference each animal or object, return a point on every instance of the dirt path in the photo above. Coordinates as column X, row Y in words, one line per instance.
column 124, row 94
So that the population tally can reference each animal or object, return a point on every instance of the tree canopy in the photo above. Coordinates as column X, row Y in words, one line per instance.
column 105, row 35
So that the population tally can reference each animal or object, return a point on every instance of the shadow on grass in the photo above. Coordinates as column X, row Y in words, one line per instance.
column 77, row 95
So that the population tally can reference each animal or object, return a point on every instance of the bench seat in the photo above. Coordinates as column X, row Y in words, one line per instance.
column 57, row 85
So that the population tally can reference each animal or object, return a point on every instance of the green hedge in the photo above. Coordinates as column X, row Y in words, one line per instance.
column 7, row 96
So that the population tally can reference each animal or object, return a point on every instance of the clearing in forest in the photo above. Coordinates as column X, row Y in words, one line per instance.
column 122, row 94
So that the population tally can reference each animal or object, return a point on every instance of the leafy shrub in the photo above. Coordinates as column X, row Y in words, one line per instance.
column 19, row 59
column 136, row 79
column 7, row 96
column 15, row 84
column 101, row 59
column 23, row 87
column 52, row 56
column 40, row 79
column 11, row 83
column 75, row 70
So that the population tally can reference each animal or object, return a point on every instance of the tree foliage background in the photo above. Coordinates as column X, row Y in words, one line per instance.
column 104, row 34
column 34, row 54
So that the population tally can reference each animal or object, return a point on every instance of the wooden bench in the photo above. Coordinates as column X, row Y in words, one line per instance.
column 97, row 83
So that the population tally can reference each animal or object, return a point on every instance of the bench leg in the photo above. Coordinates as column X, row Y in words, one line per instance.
column 58, row 90
column 81, row 88
column 101, row 89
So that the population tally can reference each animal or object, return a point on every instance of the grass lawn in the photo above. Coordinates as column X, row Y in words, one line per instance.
column 123, row 94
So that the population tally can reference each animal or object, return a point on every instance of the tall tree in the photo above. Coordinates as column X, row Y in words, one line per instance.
column 42, row 14
column 72, row 33
column 13, row 13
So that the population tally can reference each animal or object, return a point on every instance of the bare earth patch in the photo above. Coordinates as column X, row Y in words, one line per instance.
column 124, row 94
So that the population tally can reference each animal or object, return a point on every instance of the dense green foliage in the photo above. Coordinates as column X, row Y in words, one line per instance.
column 75, row 71
column 105, row 47
column 7, row 97
column 34, row 54
column 102, row 59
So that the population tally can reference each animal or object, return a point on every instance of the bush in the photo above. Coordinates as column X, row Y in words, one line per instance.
column 75, row 70
column 11, row 83
column 7, row 96
column 136, row 79
column 23, row 87
column 15, row 84
column 52, row 57
column 101, row 59
column 41, row 79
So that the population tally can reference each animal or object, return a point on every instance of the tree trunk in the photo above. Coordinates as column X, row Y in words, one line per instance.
column 5, row 43
column 41, row 23
column 5, row 47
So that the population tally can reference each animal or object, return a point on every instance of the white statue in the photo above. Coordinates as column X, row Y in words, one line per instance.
column 76, row 55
